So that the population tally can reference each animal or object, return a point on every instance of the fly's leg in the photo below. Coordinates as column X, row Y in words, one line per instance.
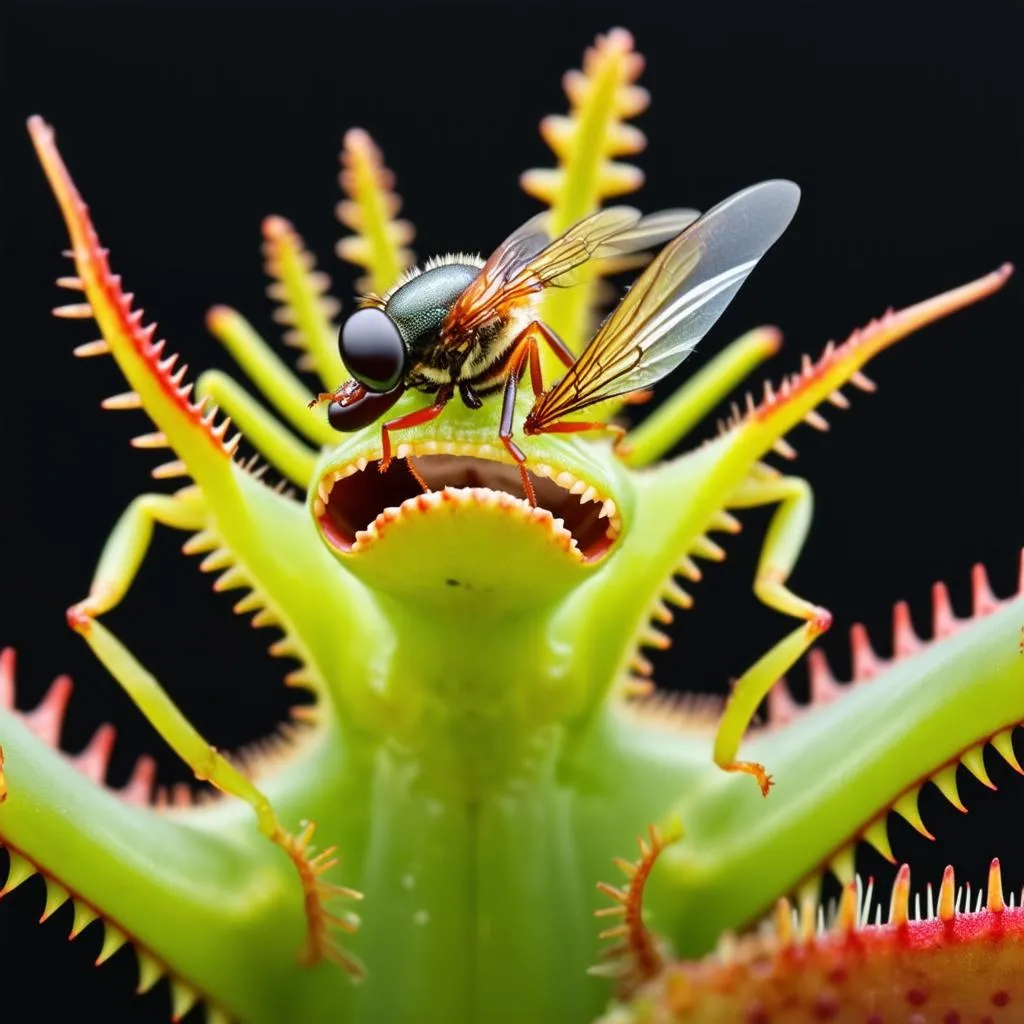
column 525, row 350
column 783, row 541
column 411, row 419
column 676, row 416
column 118, row 566
column 528, row 338
column 555, row 343
column 325, row 396
column 578, row 426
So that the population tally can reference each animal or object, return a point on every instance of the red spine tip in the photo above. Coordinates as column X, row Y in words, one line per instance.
column 78, row 620
column 7, row 666
column 821, row 623
column 46, row 719
column 984, row 600
column 94, row 760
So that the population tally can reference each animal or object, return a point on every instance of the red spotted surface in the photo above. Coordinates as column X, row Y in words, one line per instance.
column 950, row 967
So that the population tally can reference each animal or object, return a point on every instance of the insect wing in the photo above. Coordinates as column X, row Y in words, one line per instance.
column 675, row 302
column 527, row 261
column 519, row 266
column 649, row 232
column 516, row 251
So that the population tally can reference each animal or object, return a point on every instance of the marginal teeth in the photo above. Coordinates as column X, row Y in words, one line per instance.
column 484, row 496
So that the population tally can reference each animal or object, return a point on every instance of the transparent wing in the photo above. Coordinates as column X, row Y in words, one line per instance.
column 528, row 261
column 517, row 250
column 651, row 231
column 675, row 302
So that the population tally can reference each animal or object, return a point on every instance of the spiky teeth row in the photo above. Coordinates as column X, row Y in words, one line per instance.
column 806, row 922
column 353, row 503
column 876, row 832
column 482, row 497
column 586, row 492
column 184, row 996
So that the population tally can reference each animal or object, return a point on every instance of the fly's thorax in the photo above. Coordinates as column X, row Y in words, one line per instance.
column 420, row 306
column 480, row 361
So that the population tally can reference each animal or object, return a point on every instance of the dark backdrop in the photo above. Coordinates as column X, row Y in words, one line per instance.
column 903, row 126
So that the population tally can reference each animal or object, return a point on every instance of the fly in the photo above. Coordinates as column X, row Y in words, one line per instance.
column 459, row 325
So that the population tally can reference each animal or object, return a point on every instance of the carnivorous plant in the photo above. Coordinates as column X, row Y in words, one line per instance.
column 435, row 832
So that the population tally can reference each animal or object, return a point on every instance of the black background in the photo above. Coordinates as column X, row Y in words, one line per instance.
column 903, row 125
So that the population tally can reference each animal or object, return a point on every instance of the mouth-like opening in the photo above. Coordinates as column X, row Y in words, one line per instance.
column 352, row 497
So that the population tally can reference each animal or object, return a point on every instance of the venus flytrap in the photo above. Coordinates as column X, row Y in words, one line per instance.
column 485, row 739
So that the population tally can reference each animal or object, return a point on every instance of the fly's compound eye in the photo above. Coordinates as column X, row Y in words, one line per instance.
column 372, row 349
column 360, row 408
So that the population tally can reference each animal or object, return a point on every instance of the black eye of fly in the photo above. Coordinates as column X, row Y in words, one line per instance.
column 372, row 349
